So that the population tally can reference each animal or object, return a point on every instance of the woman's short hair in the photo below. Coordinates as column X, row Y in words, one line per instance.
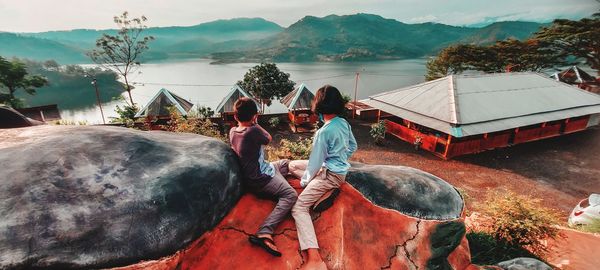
column 244, row 109
column 328, row 100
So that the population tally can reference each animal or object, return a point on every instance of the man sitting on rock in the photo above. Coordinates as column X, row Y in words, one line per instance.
column 260, row 177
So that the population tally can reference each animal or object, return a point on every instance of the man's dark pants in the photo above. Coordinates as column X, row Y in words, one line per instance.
column 280, row 189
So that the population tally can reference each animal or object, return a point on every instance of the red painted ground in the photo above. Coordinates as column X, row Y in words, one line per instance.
column 353, row 234
column 577, row 250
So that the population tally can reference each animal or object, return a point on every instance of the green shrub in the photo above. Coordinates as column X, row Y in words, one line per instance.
column 126, row 115
column 378, row 131
column 521, row 221
column 274, row 122
column 205, row 127
column 204, row 112
column 293, row 150
column 487, row 250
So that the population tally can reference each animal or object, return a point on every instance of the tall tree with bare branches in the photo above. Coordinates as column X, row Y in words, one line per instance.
column 121, row 52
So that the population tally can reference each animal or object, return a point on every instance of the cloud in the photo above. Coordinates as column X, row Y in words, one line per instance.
column 422, row 19
column 43, row 15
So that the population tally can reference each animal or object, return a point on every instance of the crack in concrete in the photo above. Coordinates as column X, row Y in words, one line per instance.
column 406, row 253
column 301, row 259
column 235, row 229
column 406, row 250
column 231, row 228
column 248, row 234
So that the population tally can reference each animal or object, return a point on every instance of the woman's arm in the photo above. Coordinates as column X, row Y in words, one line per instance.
column 317, row 157
column 352, row 145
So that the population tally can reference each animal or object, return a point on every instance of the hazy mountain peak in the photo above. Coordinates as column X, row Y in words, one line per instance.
column 358, row 36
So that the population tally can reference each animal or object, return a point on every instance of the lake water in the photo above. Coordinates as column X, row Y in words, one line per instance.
column 204, row 84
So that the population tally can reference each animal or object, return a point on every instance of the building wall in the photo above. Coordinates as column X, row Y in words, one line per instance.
column 446, row 146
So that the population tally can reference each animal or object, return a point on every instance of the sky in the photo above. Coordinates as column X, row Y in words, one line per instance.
column 46, row 15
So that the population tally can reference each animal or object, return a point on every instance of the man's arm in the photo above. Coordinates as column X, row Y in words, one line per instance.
column 266, row 137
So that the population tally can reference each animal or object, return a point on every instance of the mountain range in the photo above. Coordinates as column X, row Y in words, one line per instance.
column 331, row 38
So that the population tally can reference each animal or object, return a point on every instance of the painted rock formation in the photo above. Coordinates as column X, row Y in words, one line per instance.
column 386, row 217
column 92, row 197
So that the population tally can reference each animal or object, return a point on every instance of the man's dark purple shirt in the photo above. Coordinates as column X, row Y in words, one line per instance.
column 247, row 144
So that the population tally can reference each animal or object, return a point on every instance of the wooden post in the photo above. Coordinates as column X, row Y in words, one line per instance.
column 355, row 90
column 95, row 83
column 447, row 146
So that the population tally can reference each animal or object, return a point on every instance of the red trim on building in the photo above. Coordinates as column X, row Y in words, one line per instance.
column 446, row 146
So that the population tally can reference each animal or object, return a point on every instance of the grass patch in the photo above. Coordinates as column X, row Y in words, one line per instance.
column 593, row 227
column 292, row 150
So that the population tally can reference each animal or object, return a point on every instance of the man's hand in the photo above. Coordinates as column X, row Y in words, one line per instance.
column 295, row 183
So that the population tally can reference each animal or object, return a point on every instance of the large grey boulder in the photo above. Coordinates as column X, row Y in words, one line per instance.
column 93, row 197
column 410, row 191
column 524, row 264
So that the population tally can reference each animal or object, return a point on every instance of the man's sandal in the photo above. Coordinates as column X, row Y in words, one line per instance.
column 261, row 242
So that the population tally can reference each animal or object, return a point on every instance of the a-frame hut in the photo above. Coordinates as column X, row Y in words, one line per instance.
column 298, row 103
column 573, row 75
column 464, row 114
column 159, row 105
column 576, row 76
column 225, row 107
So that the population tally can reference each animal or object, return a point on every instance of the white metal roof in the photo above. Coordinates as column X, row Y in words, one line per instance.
column 464, row 105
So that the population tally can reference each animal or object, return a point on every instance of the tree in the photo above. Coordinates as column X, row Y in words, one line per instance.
column 458, row 58
column 266, row 82
column 504, row 56
column 121, row 52
column 126, row 115
column 14, row 76
column 530, row 55
column 577, row 38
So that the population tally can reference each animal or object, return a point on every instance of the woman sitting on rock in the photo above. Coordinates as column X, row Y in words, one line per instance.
column 325, row 171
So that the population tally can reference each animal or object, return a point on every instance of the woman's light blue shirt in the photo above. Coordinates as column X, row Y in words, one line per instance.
column 333, row 144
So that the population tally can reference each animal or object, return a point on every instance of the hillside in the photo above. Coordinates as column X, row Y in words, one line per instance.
column 14, row 45
column 502, row 31
column 69, row 87
column 171, row 42
column 369, row 37
column 331, row 38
